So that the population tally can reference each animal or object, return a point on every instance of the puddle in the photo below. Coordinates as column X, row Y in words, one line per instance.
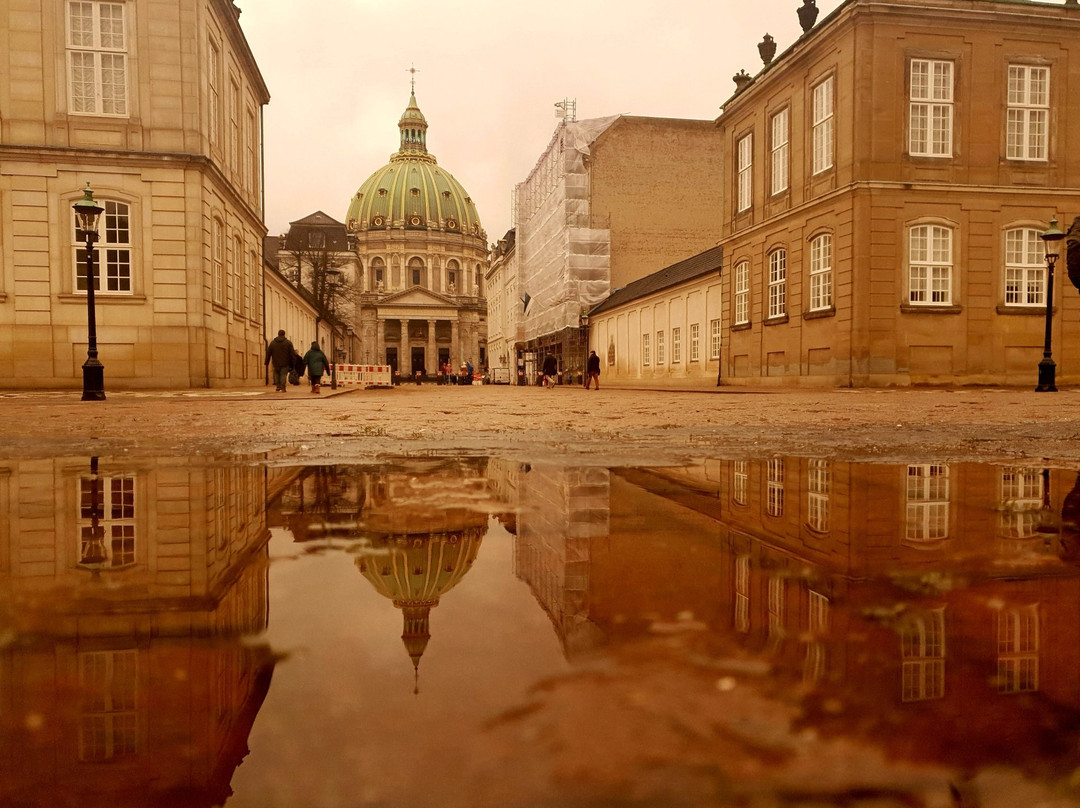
column 784, row 631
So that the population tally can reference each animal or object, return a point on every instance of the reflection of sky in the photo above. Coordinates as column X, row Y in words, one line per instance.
column 345, row 693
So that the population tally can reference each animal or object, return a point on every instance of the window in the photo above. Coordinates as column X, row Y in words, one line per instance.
column 922, row 648
column 213, row 87
column 1025, row 270
column 739, row 480
column 416, row 271
column 823, row 126
column 742, row 593
column 316, row 240
column 236, row 258
column 714, row 339
column 1020, row 503
column 378, row 273
column 97, row 58
column 774, row 486
column 744, row 172
column 930, row 265
column 1028, row 113
column 646, row 355
column 821, row 283
column 106, row 521
column 817, row 495
column 251, row 163
column 777, row 597
column 1018, row 650
column 235, row 144
column 778, row 283
column 742, row 292
column 930, row 110
column 779, row 152
column 217, row 258
column 112, row 252
column 107, row 722
column 927, row 503
column 253, row 279
column 676, row 346
column 660, row 357
column 695, row 342
column 817, row 624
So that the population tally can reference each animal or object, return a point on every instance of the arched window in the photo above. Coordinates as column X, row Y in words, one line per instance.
column 777, row 283
column 930, row 265
column 1025, row 272
column 821, row 281
column 378, row 274
column 217, row 259
column 112, row 252
column 416, row 272
column 453, row 276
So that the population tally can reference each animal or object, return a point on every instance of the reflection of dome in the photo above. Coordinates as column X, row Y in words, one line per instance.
column 415, row 570
column 411, row 191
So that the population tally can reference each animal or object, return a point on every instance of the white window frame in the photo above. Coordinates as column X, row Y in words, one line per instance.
column 922, row 651
column 218, row 278
column 823, row 125
column 777, row 601
column 821, row 277
column 740, row 480
column 213, row 90
column 676, row 345
column 742, row 293
column 930, row 108
column 774, row 487
column 930, row 265
column 714, row 338
column 780, row 133
column 1018, row 649
column 1028, row 113
column 818, row 490
column 236, row 147
column 115, row 523
column 97, row 58
column 112, row 252
column 742, row 593
column 661, row 353
column 695, row 342
column 744, row 150
column 777, row 283
column 1025, row 268
column 646, row 352
column 1020, row 502
column 927, row 504
column 108, row 721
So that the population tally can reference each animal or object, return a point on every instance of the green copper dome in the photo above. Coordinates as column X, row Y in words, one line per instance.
column 412, row 191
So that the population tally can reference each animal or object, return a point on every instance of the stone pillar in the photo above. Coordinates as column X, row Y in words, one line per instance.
column 431, row 358
column 404, row 361
column 455, row 348
column 380, row 341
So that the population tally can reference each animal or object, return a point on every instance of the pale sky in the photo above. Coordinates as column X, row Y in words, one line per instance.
column 488, row 76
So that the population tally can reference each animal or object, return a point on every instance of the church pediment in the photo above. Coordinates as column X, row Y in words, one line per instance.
column 416, row 296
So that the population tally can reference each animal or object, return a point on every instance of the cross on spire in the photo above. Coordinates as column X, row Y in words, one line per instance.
column 412, row 80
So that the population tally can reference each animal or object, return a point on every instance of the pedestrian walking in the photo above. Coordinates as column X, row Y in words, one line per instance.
column 317, row 364
column 280, row 353
column 551, row 370
column 592, row 370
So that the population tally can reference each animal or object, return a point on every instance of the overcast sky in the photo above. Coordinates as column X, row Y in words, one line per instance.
column 488, row 76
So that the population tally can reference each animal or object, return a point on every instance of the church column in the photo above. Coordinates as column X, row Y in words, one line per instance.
column 380, row 341
column 455, row 349
column 431, row 359
column 404, row 360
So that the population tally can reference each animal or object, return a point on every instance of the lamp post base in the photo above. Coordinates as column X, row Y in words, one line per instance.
column 93, row 380
column 1047, row 374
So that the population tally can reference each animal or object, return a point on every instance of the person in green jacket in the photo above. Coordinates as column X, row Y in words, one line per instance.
column 317, row 364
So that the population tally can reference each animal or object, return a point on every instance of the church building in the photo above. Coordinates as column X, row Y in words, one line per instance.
column 422, row 257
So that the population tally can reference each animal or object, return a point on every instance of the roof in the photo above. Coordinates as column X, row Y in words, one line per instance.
column 704, row 263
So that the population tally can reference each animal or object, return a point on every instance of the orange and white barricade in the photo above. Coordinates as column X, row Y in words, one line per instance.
column 363, row 375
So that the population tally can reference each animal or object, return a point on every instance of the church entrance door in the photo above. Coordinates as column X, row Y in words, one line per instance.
column 418, row 362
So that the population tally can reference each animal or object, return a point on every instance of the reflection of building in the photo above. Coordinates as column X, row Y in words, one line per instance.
column 889, row 175
column 420, row 521
column 128, row 586
column 422, row 260
column 159, row 107
column 923, row 607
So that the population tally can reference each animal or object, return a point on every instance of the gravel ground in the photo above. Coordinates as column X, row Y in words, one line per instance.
column 611, row 426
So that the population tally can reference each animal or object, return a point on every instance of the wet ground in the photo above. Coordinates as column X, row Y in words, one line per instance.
column 505, row 597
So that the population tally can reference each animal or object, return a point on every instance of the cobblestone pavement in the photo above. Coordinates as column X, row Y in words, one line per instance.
column 615, row 426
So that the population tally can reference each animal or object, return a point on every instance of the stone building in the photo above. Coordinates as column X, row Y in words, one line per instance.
column 505, row 313
column 889, row 175
column 422, row 257
column 609, row 201
column 158, row 107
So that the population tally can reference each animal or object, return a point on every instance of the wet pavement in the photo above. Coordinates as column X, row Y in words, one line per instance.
column 796, row 630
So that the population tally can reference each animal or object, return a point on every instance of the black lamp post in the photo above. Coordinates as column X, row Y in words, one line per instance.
column 87, row 212
column 1052, row 238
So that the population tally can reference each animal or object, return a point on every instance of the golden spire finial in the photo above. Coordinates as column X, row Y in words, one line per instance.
column 412, row 79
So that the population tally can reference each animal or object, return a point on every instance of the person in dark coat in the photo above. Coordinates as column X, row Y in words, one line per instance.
column 551, row 370
column 592, row 370
column 317, row 364
column 280, row 353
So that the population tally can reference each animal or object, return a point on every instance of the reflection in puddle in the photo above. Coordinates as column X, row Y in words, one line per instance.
column 781, row 631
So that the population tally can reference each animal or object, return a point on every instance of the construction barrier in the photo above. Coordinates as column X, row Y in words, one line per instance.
column 363, row 376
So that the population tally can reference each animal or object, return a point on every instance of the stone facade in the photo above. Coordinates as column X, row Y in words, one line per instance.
column 505, row 314
column 889, row 175
column 158, row 107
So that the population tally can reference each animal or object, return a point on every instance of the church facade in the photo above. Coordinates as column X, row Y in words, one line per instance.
column 422, row 257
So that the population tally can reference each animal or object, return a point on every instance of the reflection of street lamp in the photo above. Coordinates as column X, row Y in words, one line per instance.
column 86, row 214
column 92, row 555
column 1047, row 369
column 333, row 279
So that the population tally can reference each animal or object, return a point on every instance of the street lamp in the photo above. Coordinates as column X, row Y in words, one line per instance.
column 333, row 279
column 87, row 212
column 1052, row 238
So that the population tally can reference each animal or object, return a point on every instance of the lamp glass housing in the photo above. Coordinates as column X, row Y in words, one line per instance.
column 87, row 211
column 1052, row 239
